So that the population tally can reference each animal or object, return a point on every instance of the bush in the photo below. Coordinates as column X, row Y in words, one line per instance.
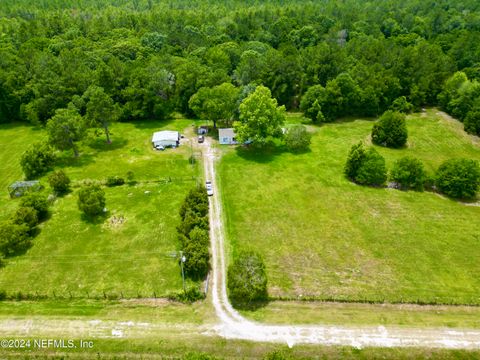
column 91, row 200
column 310, row 103
column 191, row 294
column 27, row 216
column 37, row 201
column 401, row 104
column 59, row 182
column 192, row 220
column 193, row 233
column 356, row 156
column 37, row 160
column 114, row 181
column 297, row 138
column 459, row 178
column 390, row 130
column 200, row 236
column 409, row 173
column 13, row 238
column 472, row 122
column 197, row 259
column 196, row 201
column 247, row 279
column 372, row 170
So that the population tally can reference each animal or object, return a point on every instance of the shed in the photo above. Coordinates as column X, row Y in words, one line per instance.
column 202, row 130
column 19, row 188
column 166, row 138
column 226, row 136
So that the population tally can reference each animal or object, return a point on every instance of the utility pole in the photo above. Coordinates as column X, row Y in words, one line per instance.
column 182, row 260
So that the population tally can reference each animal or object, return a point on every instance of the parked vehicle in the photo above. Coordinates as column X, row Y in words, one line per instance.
column 209, row 187
column 201, row 139
column 160, row 147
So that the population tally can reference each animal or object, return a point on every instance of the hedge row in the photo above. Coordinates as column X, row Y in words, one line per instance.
column 193, row 233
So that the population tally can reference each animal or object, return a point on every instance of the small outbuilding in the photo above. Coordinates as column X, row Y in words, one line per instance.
column 166, row 138
column 20, row 188
column 226, row 136
column 202, row 130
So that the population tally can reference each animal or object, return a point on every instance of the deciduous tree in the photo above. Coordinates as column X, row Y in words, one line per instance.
column 65, row 129
column 260, row 117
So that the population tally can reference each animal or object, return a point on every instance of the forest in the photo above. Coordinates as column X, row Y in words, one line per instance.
column 145, row 59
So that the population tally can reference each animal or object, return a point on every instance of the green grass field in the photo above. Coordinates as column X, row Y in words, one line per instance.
column 161, row 330
column 325, row 237
column 72, row 256
column 14, row 139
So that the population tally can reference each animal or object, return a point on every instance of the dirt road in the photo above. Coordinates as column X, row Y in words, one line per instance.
column 233, row 326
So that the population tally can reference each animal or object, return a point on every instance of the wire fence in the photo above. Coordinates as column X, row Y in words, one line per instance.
column 85, row 294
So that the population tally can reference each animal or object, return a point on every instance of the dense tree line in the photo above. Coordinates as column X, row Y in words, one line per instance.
column 112, row 60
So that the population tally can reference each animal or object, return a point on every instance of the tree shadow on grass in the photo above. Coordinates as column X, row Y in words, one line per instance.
column 251, row 306
column 154, row 124
column 95, row 220
column 71, row 161
column 267, row 153
column 261, row 155
column 100, row 144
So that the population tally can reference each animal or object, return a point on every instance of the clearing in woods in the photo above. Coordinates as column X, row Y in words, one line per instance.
column 325, row 237
column 125, row 252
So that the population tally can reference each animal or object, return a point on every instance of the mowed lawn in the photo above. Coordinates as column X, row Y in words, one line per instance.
column 124, row 253
column 323, row 236
column 14, row 139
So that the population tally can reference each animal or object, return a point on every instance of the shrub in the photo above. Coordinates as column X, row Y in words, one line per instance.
column 115, row 181
column 26, row 215
column 37, row 160
column 196, row 201
column 200, row 236
column 401, row 104
column 372, row 170
column 191, row 294
column 191, row 221
column 247, row 279
column 13, row 238
column 390, row 130
column 197, row 259
column 193, row 233
column 91, row 200
column 311, row 103
column 59, row 182
column 472, row 122
column 356, row 156
column 37, row 201
column 459, row 178
column 409, row 173
column 297, row 138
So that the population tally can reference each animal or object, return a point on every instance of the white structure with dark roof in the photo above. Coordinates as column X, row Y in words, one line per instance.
column 166, row 138
column 226, row 136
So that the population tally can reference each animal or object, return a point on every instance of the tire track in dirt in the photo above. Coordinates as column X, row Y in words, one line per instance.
column 234, row 326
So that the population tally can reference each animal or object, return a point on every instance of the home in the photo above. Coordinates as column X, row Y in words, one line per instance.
column 166, row 138
column 226, row 136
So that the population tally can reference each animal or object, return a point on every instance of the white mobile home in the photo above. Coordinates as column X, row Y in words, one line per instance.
column 226, row 136
column 166, row 138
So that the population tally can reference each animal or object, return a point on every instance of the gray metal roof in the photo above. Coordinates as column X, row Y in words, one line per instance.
column 165, row 135
column 227, row 132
